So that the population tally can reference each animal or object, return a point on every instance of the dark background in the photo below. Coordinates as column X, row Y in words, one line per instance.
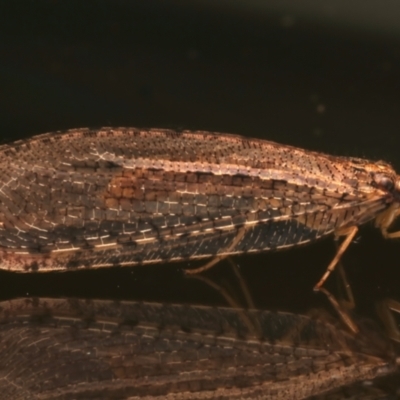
column 320, row 76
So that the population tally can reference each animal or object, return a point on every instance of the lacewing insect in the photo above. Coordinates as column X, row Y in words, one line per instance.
column 126, row 196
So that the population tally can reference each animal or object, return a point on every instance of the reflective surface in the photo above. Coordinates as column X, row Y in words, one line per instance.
column 63, row 348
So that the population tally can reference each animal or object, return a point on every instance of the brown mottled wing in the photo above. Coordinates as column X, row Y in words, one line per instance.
column 77, row 349
column 92, row 198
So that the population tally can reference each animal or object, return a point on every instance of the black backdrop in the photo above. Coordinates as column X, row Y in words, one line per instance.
column 324, row 77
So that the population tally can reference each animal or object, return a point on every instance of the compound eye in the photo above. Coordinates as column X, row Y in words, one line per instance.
column 384, row 182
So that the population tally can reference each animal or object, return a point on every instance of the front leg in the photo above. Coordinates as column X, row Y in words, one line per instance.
column 385, row 219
